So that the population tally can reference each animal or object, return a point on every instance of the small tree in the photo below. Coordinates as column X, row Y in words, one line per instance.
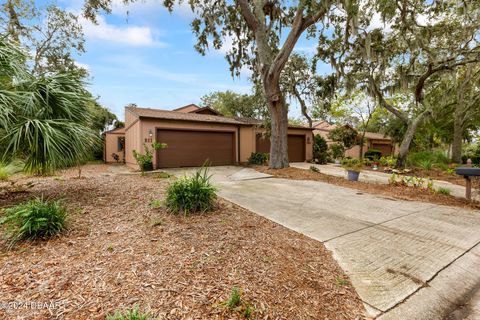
column 145, row 161
column 320, row 148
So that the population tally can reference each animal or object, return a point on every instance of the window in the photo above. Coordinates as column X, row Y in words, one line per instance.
column 120, row 144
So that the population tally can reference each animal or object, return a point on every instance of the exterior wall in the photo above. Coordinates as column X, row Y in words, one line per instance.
column 247, row 143
column 152, row 125
column 308, row 139
column 132, row 138
column 111, row 146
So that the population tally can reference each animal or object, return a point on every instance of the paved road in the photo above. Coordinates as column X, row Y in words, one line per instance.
column 407, row 260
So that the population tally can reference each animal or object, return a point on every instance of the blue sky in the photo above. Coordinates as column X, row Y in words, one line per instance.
column 147, row 57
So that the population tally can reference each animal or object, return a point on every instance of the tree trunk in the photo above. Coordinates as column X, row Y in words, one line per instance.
column 407, row 139
column 279, row 125
column 362, row 142
column 457, row 138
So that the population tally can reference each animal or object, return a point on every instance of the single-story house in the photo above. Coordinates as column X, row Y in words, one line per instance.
column 373, row 140
column 194, row 134
column 114, row 145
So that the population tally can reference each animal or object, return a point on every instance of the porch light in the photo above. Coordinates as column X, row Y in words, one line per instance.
column 150, row 133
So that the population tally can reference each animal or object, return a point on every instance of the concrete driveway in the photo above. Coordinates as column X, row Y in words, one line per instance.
column 407, row 260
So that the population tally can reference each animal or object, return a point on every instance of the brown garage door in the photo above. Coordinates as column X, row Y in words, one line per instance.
column 296, row 146
column 386, row 149
column 193, row 148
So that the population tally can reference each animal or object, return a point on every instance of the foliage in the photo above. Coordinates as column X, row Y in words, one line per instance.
column 320, row 149
column 344, row 135
column 7, row 170
column 373, row 154
column 34, row 219
column 368, row 162
column 427, row 159
column 43, row 119
column 51, row 34
column 352, row 164
column 314, row 169
column 337, row 150
column 132, row 314
column 155, row 204
column 388, row 161
column 191, row 194
column 444, row 191
column 145, row 161
column 232, row 104
column 234, row 300
column 258, row 158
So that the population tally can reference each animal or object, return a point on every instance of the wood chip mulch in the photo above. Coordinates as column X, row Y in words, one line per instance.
column 120, row 253
column 394, row 191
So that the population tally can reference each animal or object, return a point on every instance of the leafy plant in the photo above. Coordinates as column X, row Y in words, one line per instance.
column 116, row 157
column 144, row 161
column 133, row 314
column 34, row 219
column 388, row 161
column 258, row 158
column 320, row 149
column 352, row 164
column 191, row 194
column 337, row 150
column 427, row 159
column 426, row 164
column 155, row 204
column 373, row 154
column 367, row 162
column 314, row 169
column 162, row 175
column 346, row 136
column 445, row 191
column 234, row 300
column 341, row 282
column 7, row 170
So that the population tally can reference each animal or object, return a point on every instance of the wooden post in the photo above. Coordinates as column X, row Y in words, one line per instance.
column 468, row 188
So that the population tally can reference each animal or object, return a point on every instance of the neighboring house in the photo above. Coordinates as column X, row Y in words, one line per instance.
column 373, row 140
column 194, row 135
column 114, row 144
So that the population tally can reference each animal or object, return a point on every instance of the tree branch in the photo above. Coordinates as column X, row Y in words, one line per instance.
column 384, row 103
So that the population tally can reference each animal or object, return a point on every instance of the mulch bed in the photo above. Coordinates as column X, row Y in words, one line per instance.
column 435, row 174
column 120, row 253
column 394, row 191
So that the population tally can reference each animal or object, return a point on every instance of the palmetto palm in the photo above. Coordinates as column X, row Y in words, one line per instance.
column 42, row 119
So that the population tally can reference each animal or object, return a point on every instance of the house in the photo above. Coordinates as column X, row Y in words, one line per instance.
column 373, row 140
column 114, row 145
column 195, row 134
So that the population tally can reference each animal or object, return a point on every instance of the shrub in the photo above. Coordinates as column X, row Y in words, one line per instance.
column 367, row 162
column 345, row 135
column 338, row 150
column 258, row 158
column 373, row 154
column 133, row 314
column 234, row 300
column 34, row 219
column 388, row 161
column 314, row 169
column 7, row 170
column 445, row 191
column 427, row 159
column 320, row 149
column 144, row 161
column 191, row 194
column 352, row 164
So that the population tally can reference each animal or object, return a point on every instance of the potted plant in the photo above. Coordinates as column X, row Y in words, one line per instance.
column 353, row 167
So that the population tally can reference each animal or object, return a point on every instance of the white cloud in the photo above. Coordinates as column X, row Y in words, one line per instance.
column 82, row 65
column 376, row 22
column 135, row 36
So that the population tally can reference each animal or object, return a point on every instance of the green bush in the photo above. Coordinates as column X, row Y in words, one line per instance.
column 258, row 158
column 367, row 162
column 320, row 149
column 133, row 314
column 352, row 164
column 34, row 219
column 338, row 151
column 445, row 191
column 427, row 159
column 373, row 154
column 145, row 161
column 191, row 194
column 7, row 170
column 388, row 161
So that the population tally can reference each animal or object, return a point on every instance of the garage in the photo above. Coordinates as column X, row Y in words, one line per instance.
column 386, row 149
column 189, row 148
column 296, row 146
